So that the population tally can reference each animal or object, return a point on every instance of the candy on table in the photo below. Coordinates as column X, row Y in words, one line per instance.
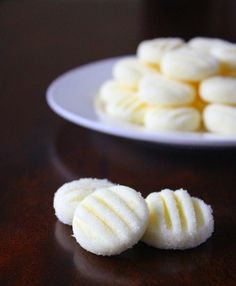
column 177, row 220
column 69, row 195
column 110, row 220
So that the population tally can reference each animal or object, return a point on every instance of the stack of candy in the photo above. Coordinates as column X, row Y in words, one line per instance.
column 172, row 85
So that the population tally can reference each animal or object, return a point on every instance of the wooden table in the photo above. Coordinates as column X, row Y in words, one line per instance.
column 40, row 151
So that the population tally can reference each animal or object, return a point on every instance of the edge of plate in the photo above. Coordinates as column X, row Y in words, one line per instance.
column 193, row 140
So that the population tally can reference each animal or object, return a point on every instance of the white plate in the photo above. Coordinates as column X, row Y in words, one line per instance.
column 72, row 97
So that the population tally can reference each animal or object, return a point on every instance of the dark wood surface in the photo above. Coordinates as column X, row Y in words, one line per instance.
column 39, row 40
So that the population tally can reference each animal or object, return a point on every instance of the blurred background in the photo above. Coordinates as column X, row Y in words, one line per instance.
column 112, row 20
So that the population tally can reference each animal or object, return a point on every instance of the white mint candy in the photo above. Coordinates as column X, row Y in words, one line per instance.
column 177, row 220
column 227, row 56
column 172, row 119
column 128, row 108
column 218, row 89
column 130, row 70
column 68, row 196
column 110, row 220
column 151, row 51
column 219, row 118
column 159, row 90
column 189, row 64
column 111, row 91
column 207, row 44
column 119, row 102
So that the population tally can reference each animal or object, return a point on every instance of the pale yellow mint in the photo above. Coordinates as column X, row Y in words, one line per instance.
column 130, row 71
column 159, row 90
column 69, row 195
column 152, row 51
column 207, row 44
column 177, row 220
column 218, row 89
column 110, row 220
column 184, row 119
column 219, row 118
column 189, row 64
